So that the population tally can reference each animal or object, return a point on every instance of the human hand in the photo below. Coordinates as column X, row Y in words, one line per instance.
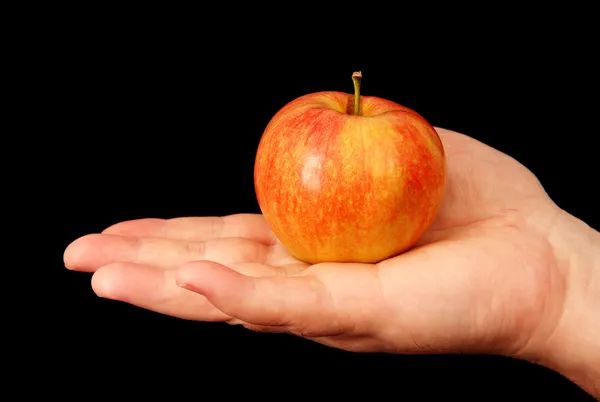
column 485, row 278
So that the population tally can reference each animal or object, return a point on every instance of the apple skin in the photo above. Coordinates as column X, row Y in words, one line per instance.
column 335, row 187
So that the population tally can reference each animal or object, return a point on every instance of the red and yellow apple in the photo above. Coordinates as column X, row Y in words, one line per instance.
column 349, row 178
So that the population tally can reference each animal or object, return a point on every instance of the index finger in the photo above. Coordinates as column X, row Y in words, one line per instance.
column 249, row 226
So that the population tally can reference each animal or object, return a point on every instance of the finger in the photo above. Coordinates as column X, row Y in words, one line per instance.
column 156, row 290
column 296, row 304
column 93, row 251
column 248, row 226
column 153, row 289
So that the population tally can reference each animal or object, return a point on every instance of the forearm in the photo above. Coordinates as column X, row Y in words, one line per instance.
column 573, row 347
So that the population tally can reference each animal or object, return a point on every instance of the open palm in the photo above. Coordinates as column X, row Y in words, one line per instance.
column 478, row 281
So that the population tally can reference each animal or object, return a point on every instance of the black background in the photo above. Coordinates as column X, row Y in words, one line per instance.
column 161, row 116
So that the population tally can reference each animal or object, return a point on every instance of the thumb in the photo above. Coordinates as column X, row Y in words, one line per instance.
column 296, row 304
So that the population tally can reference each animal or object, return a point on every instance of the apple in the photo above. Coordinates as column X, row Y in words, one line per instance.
column 349, row 178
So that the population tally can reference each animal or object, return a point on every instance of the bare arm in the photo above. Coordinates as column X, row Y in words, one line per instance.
column 572, row 346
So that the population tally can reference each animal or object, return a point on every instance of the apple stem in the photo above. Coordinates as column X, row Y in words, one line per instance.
column 356, row 77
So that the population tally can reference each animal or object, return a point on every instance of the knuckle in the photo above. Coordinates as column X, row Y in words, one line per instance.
column 272, row 329
column 195, row 250
column 305, row 332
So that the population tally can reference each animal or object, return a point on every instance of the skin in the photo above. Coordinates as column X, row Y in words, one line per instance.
column 377, row 193
column 502, row 270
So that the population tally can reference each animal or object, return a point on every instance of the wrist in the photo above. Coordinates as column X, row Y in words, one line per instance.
column 570, row 342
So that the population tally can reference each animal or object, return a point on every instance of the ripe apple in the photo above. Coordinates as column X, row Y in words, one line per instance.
column 349, row 178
